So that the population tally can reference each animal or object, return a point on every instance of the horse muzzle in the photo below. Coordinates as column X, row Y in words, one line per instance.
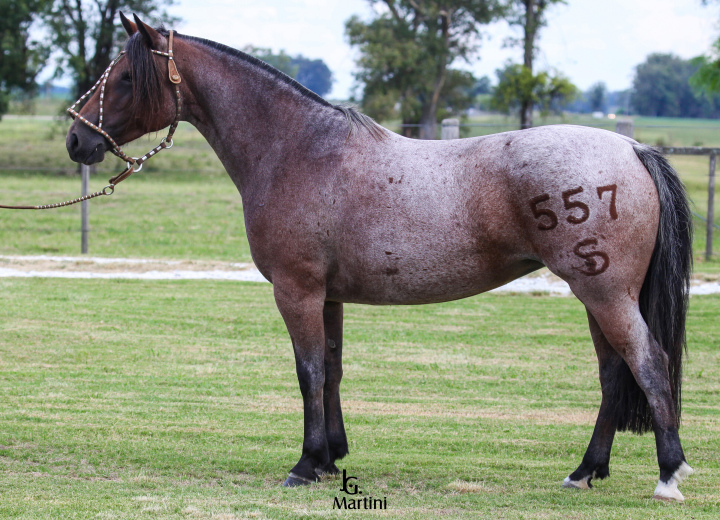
column 85, row 146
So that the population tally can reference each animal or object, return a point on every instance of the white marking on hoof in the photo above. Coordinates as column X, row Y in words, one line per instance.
column 583, row 483
column 669, row 490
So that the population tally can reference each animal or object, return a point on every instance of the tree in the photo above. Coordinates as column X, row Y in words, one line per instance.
column 281, row 61
column 661, row 88
column 482, row 86
column 530, row 15
column 707, row 77
column 407, row 51
column 518, row 88
column 20, row 58
column 88, row 33
column 596, row 96
column 314, row 74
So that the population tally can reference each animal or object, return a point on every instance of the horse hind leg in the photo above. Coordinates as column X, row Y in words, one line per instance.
column 626, row 331
column 596, row 462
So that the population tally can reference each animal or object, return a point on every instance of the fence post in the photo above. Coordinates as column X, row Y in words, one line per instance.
column 84, row 211
column 625, row 127
column 711, row 209
column 450, row 129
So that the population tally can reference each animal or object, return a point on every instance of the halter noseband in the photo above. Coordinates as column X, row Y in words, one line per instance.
column 166, row 143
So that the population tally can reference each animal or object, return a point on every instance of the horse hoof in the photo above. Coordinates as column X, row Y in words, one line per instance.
column 583, row 483
column 294, row 480
column 668, row 491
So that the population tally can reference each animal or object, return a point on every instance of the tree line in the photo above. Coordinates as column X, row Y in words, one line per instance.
column 84, row 36
column 407, row 66
column 409, row 51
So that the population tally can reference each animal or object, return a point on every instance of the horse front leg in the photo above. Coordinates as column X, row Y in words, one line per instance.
column 302, row 310
column 334, row 427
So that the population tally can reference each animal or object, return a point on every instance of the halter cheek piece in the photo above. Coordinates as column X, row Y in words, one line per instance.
column 131, row 162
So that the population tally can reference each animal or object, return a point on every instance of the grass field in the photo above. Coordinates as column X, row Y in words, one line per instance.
column 128, row 399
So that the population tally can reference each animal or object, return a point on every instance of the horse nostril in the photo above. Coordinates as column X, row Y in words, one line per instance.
column 74, row 142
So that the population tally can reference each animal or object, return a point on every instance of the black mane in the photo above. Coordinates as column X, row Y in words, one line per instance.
column 147, row 86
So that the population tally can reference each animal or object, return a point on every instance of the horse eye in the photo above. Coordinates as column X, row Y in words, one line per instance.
column 126, row 76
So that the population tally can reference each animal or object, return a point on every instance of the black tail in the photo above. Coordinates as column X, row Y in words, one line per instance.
column 664, row 294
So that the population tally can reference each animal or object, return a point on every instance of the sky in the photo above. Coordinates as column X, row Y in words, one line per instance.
column 587, row 40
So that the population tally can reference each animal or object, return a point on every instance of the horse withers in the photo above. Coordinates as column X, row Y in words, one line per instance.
column 338, row 209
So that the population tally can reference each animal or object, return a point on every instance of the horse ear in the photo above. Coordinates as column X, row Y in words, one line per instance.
column 152, row 38
column 130, row 27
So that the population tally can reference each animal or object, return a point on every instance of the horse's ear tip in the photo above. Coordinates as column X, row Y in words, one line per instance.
column 130, row 27
column 138, row 21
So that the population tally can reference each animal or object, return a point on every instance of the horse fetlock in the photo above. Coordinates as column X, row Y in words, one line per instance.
column 338, row 447
column 668, row 490
column 583, row 483
column 586, row 472
column 328, row 469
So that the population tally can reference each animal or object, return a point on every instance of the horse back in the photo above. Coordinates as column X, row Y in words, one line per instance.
column 406, row 221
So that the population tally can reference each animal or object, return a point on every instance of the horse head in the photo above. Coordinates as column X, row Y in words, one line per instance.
column 132, row 98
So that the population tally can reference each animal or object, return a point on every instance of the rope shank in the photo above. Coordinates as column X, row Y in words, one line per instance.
column 104, row 191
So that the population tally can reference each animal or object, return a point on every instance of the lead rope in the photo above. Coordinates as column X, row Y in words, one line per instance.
column 165, row 144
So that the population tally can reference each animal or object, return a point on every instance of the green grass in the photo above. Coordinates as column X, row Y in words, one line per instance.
column 182, row 205
column 129, row 399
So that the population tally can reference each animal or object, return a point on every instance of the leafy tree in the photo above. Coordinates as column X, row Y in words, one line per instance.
column 661, row 88
column 482, row 86
column 20, row 58
column 314, row 74
column 88, row 33
column 518, row 88
column 530, row 16
column 707, row 77
column 596, row 96
column 280, row 61
column 407, row 51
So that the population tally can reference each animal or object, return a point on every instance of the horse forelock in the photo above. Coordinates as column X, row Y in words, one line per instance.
column 146, row 77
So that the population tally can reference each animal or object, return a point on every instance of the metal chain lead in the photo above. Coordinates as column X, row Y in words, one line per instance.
column 131, row 162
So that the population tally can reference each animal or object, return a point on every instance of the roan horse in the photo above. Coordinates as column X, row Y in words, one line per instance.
column 338, row 209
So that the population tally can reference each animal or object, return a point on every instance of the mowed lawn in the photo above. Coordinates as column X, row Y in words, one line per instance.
column 132, row 399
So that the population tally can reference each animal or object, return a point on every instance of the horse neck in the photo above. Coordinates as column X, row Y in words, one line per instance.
column 248, row 115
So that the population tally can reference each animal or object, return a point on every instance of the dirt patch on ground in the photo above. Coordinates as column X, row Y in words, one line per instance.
column 541, row 282
column 115, row 265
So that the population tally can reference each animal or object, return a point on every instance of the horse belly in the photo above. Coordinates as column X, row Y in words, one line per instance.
column 414, row 267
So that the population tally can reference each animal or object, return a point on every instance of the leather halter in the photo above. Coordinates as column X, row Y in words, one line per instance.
column 173, row 76
column 131, row 162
